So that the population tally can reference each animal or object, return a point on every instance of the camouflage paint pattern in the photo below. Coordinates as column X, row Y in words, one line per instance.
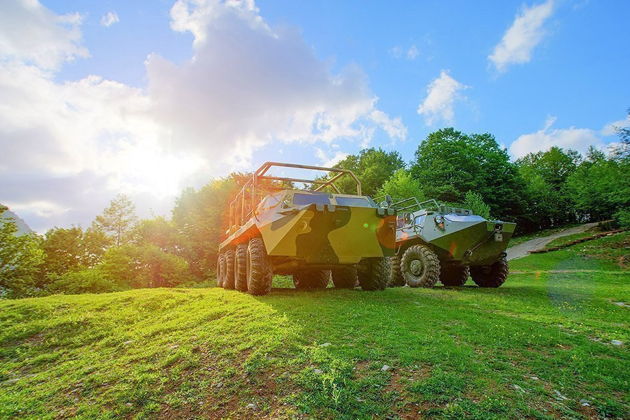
column 320, row 234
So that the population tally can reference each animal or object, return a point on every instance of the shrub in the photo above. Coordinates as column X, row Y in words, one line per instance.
column 85, row 281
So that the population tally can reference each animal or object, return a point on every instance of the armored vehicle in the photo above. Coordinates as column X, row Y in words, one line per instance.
column 312, row 235
column 436, row 242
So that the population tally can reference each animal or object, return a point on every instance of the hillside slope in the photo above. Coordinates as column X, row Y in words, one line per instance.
column 544, row 345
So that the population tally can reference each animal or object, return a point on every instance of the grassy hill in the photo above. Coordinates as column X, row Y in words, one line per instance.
column 541, row 347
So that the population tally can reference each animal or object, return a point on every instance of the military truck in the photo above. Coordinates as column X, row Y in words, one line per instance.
column 435, row 243
column 312, row 235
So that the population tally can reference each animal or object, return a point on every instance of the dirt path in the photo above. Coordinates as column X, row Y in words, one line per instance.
column 523, row 250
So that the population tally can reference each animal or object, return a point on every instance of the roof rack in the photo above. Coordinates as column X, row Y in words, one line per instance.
column 253, row 191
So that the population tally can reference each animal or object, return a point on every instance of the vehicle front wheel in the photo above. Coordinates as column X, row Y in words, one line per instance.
column 420, row 266
column 373, row 273
column 259, row 272
column 490, row 275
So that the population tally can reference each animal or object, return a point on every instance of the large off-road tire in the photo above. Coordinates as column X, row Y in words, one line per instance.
column 420, row 266
column 228, row 279
column 454, row 274
column 373, row 273
column 490, row 275
column 396, row 278
column 344, row 277
column 311, row 279
column 220, row 270
column 259, row 272
column 240, row 268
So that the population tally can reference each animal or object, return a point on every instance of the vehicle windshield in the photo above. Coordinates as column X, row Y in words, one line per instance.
column 302, row 199
column 353, row 201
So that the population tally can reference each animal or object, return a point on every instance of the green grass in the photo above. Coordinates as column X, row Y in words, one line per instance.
column 566, row 239
column 533, row 348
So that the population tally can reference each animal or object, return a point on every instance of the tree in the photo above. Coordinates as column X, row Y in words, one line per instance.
column 474, row 201
column 70, row 249
column 449, row 163
column 600, row 187
column 200, row 218
column 372, row 166
column 400, row 186
column 20, row 258
column 117, row 220
column 545, row 175
column 143, row 266
column 159, row 232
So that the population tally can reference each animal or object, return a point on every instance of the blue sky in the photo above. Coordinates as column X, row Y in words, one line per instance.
column 159, row 95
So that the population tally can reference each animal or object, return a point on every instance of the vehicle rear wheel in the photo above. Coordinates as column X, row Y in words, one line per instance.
column 420, row 266
column 490, row 275
column 220, row 270
column 240, row 268
column 395, row 276
column 454, row 274
column 344, row 277
column 373, row 273
column 228, row 280
column 259, row 272
column 311, row 279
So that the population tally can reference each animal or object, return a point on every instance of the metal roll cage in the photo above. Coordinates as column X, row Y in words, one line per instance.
column 243, row 205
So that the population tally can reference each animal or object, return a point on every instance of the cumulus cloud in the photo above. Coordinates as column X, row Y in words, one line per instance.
column 248, row 85
column 109, row 19
column 442, row 93
column 522, row 37
column 567, row 138
column 70, row 146
column 31, row 33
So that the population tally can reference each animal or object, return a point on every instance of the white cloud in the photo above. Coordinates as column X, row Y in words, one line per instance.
column 522, row 37
column 611, row 128
column 410, row 53
column 73, row 145
column 441, row 96
column 567, row 138
column 249, row 85
column 31, row 33
column 329, row 160
column 109, row 19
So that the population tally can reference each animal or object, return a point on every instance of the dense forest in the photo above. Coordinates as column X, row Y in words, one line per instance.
column 118, row 251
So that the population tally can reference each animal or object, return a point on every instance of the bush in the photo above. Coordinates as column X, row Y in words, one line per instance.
column 85, row 281
column 474, row 202
column 622, row 217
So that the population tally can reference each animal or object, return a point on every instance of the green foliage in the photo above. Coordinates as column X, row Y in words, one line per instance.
column 401, row 185
column 474, row 201
column 85, row 281
column 20, row 258
column 545, row 175
column 372, row 166
column 623, row 218
column 117, row 220
column 200, row 218
column 144, row 266
column 600, row 187
column 71, row 249
column 449, row 163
